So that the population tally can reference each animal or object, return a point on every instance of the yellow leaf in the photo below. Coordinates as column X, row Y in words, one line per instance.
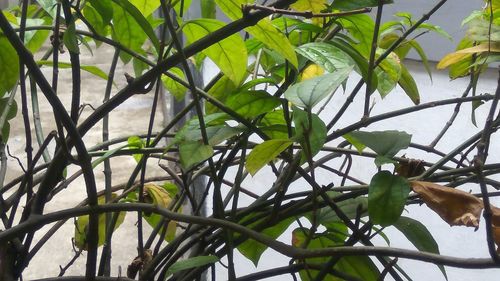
column 82, row 224
column 450, row 59
column 311, row 71
column 454, row 206
column 481, row 48
column 459, row 55
column 315, row 6
column 158, row 195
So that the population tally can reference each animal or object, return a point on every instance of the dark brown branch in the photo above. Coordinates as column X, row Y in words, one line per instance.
column 306, row 14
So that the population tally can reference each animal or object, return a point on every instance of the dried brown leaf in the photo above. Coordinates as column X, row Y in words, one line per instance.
column 454, row 206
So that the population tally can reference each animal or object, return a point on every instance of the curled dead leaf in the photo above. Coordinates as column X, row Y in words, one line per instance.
column 454, row 206
column 410, row 168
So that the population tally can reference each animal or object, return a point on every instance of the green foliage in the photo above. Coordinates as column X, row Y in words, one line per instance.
column 175, row 88
column 328, row 56
column 385, row 143
column 230, row 54
column 308, row 93
column 252, row 249
column 387, row 196
column 264, row 153
column 262, row 31
column 191, row 263
column 194, row 152
column 310, row 132
column 92, row 69
column 419, row 236
column 353, row 266
column 250, row 104
column 9, row 66
column 279, row 68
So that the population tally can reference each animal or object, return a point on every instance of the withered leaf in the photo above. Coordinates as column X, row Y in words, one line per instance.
column 454, row 206
column 410, row 168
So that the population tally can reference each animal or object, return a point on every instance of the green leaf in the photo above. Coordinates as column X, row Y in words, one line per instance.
column 384, row 143
column 355, row 142
column 208, row 9
column 419, row 236
column 359, row 267
column 194, row 152
column 312, row 132
column 49, row 6
column 12, row 109
column 326, row 55
column 34, row 39
column 89, row 68
column 95, row 19
column 134, row 142
column 264, row 153
column 254, row 82
column 220, row 91
column 326, row 216
column 141, row 20
column 420, row 51
column 215, row 134
column 408, row 84
column 140, row 66
column 388, row 73
column 107, row 155
column 252, row 249
column 176, row 89
column 5, row 132
column 216, row 128
column 127, row 31
column 104, row 8
column 82, row 224
column 230, row 54
column 70, row 39
column 9, row 66
column 171, row 189
column 191, row 263
column 436, row 29
column 361, row 27
column 273, row 124
column 361, row 62
column 250, row 104
column 309, row 92
column 387, row 196
column 10, row 17
column 263, row 31
column 277, row 131
column 346, row 5
column 146, row 7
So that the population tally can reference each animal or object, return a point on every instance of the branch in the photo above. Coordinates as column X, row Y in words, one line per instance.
column 37, row 222
column 306, row 14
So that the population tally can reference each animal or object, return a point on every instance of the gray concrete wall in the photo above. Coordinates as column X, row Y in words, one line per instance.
column 4, row 4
